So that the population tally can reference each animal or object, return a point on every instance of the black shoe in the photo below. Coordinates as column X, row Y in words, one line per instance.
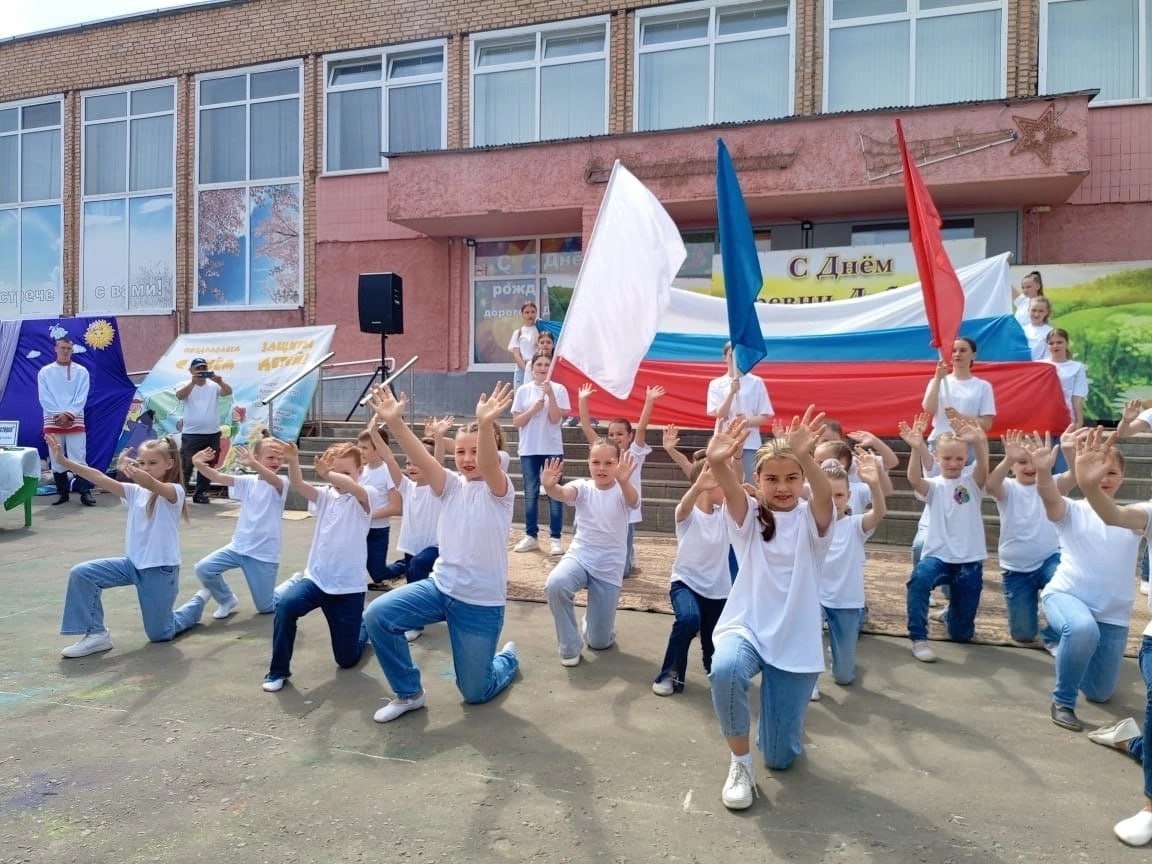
column 61, row 480
column 200, row 498
column 86, row 498
column 1066, row 718
column 379, row 586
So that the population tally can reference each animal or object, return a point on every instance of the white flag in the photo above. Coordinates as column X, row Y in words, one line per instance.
column 624, row 285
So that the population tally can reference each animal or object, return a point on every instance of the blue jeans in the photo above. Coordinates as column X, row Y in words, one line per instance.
column 414, row 567
column 156, row 589
column 473, row 630
column 1144, row 564
column 378, row 553
column 1088, row 659
column 1138, row 746
column 564, row 581
column 630, row 555
column 783, row 700
column 1021, row 594
column 260, row 575
column 748, row 461
column 843, row 635
column 966, row 581
column 518, row 378
column 694, row 614
column 918, row 543
column 531, row 467
column 343, row 612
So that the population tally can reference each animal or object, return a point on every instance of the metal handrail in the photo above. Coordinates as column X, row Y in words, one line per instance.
column 387, row 381
column 273, row 396
column 389, row 363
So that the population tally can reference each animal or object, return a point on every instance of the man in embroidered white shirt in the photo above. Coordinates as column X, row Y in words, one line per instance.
column 63, row 389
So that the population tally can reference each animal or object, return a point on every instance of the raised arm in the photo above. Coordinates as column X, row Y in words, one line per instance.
column 385, row 452
column 624, row 470
column 550, row 476
column 703, row 484
column 437, row 430
column 914, row 437
column 488, row 411
column 870, row 471
column 225, row 387
column 931, row 402
column 390, row 410
column 803, row 434
column 108, row 484
column 201, row 460
column 1012, row 452
column 722, row 446
column 650, row 397
column 1044, row 457
column 1129, row 424
column 1093, row 460
column 973, row 434
column 870, row 442
column 582, row 396
column 295, row 478
column 670, row 441
column 344, row 484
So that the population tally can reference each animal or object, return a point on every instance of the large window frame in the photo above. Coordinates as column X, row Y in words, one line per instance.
column 913, row 14
column 541, row 35
column 1143, row 55
column 247, row 184
column 682, row 12
column 127, row 195
column 387, row 83
column 24, row 208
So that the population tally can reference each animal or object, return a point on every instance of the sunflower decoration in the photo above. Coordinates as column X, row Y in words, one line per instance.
column 99, row 334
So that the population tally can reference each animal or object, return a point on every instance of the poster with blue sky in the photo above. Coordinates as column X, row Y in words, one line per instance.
column 30, row 262
column 129, row 256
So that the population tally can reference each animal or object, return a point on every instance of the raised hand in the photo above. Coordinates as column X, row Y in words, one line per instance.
column 387, row 407
column 913, row 435
column 779, row 430
column 1093, row 454
column 585, row 392
column 244, row 455
column 868, row 466
column 489, row 407
column 290, row 453
column 864, row 438
column 1041, row 451
column 323, row 465
column 671, row 437
column 735, row 385
column 203, row 457
column 920, row 421
column 804, row 432
column 1132, row 409
column 727, row 441
column 970, row 431
column 654, row 393
column 438, row 427
column 552, row 471
column 54, row 448
column 706, row 482
column 1014, row 445
column 941, row 370
column 625, row 466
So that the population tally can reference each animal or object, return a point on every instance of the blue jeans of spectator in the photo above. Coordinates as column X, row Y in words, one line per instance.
column 630, row 555
column 156, row 589
column 1138, row 746
column 1022, row 595
column 481, row 672
column 784, row 700
column 517, row 378
column 843, row 636
column 966, row 581
column 532, row 466
column 342, row 612
column 1090, row 653
column 260, row 576
column 695, row 614
column 1144, row 564
column 414, row 567
column 378, row 553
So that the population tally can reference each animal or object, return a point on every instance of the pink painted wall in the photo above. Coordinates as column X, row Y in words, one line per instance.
column 1098, row 232
column 1120, row 150
column 147, row 337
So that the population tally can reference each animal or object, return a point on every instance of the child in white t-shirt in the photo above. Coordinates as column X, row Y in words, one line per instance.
column 255, row 546
column 376, row 473
column 842, row 577
column 954, row 546
column 538, row 410
column 595, row 558
column 700, row 581
column 629, row 441
column 334, row 577
column 1037, row 329
column 522, row 345
column 771, row 623
column 155, row 500
column 468, row 586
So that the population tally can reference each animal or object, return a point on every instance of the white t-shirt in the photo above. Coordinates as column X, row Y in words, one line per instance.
column 1073, row 381
column 338, row 559
column 1022, row 303
column 1097, row 562
column 702, row 553
column 752, row 400
column 421, row 517
column 972, row 397
column 955, row 526
column 259, row 528
column 201, row 412
column 1027, row 538
column 1145, row 417
column 379, row 478
column 842, row 578
column 524, row 338
column 152, row 542
column 775, row 600
column 1037, row 336
column 473, row 532
column 600, row 533
column 540, row 436
column 859, row 496
column 640, row 453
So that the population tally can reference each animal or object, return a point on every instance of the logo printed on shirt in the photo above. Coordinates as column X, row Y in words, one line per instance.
column 961, row 495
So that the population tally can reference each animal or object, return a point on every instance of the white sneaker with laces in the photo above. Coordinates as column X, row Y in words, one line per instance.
column 398, row 708
column 923, row 652
column 663, row 687
column 413, row 635
column 93, row 643
column 273, row 685
column 526, row 544
column 1114, row 733
column 226, row 608
column 739, row 787
column 555, row 548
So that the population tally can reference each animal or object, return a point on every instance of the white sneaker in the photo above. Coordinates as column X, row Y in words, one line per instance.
column 923, row 652
column 1135, row 830
column 286, row 584
column 940, row 614
column 1051, row 647
column 398, row 708
column 526, row 544
column 663, row 687
column 570, row 661
column 815, row 697
column 554, row 548
column 1113, row 734
column 413, row 635
column 273, row 685
column 226, row 608
column 510, row 648
column 738, row 788
column 93, row 643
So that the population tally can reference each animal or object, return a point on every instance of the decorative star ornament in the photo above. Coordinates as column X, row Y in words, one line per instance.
column 1037, row 136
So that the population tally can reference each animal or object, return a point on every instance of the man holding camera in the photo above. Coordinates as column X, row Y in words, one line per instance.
column 201, row 426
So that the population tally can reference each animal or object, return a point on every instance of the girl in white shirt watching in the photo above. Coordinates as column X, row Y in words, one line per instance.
column 595, row 558
column 959, row 391
column 155, row 499
column 1037, row 329
column 771, row 622
column 522, row 345
column 538, row 410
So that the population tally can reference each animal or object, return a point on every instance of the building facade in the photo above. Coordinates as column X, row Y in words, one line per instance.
column 237, row 165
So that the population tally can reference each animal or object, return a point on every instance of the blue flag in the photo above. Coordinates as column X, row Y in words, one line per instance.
column 742, row 276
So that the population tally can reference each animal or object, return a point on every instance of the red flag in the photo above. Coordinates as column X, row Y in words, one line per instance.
column 943, row 294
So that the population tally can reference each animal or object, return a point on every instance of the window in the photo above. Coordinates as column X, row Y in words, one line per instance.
column 540, row 85
column 885, row 53
column 249, row 185
column 506, row 274
column 31, row 226
column 390, row 101
column 713, row 63
column 897, row 232
column 703, row 250
column 1097, row 44
column 128, row 231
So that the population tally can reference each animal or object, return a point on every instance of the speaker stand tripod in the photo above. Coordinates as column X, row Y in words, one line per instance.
column 381, row 370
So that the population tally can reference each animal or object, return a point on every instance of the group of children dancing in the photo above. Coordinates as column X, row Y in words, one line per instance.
column 794, row 513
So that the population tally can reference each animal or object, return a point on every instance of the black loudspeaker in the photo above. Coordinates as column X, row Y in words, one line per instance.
column 381, row 299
